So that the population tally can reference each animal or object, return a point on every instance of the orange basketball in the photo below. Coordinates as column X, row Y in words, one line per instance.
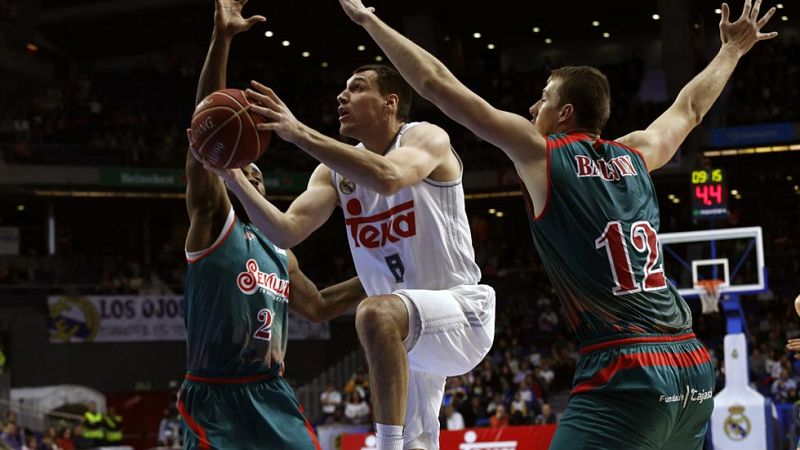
column 224, row 130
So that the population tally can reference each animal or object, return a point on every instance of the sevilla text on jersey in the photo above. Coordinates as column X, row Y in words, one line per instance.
column 253, row 279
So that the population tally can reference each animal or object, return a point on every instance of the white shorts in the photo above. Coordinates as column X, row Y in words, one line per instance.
column 450, row 332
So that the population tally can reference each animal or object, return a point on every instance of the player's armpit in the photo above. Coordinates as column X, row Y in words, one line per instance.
column 207, row 204
column 662, row 139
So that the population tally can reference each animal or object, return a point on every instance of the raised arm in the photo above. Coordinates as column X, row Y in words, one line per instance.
column 306, row 213
column 206, row 199
column 319, row 306
column 659, row 142
column 512, row 133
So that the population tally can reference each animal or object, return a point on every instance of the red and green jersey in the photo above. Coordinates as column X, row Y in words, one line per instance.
column 597, row 236
column 236, row 306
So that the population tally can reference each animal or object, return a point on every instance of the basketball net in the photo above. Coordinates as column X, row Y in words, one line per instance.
column 709, row 295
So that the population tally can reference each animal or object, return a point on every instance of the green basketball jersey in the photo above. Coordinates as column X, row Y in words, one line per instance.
column 597, row 237
column 236, row 306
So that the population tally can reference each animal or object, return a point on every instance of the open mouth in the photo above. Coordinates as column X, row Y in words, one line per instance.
column 343, row 114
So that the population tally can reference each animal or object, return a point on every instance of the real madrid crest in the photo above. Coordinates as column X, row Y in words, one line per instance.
column 737, row 425
column 346, row 186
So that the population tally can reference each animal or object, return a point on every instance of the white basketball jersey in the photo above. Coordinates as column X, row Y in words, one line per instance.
column 418, row 238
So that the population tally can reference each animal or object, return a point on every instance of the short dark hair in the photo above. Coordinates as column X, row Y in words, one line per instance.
column 586, row 88
column 391, row 82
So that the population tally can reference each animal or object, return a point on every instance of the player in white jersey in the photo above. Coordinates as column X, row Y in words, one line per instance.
column 426, row 317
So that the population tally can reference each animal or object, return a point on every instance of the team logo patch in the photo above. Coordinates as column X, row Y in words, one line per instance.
column 737, row 425
column 346, row 186
column 253, row 279
column 73, row 319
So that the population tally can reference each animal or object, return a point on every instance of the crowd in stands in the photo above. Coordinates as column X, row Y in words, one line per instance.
column 65, row 436
column 90, row 120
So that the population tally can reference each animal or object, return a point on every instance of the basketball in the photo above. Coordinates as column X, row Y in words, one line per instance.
column 224, row 131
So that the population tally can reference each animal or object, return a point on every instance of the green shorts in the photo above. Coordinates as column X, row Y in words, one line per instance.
column 639, row 392
column 256, row 412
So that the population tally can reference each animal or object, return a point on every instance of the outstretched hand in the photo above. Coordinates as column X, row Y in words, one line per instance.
column 228, row 17
column 280, row 118
column 356, row 10
column 746, row 31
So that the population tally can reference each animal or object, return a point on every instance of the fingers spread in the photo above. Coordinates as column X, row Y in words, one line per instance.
column 754, row 11
column 766, row 18
column 748, row 4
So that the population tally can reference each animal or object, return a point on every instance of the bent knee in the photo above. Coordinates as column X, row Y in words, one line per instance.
column 381, row 314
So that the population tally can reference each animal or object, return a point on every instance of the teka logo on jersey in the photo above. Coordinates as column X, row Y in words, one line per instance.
column 376, row 230
column 253, row 279
column 611, row 170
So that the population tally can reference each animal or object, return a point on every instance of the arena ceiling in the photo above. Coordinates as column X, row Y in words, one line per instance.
column 92, row 29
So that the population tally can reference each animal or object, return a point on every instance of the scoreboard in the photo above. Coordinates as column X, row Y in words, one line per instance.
column 709, row 194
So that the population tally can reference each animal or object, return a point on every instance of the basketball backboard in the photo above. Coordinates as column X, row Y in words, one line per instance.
column 733, row 255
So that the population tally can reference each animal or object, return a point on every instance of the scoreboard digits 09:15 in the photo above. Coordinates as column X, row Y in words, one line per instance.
column 709, row 194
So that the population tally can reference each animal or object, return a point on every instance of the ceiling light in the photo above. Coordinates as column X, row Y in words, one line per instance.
column 789, row 178
column 671, row 196
column 361, row 48
column 656, row 17
column 738, row 197
column 476, row 35
column 606, row 35
column 306, row 54
column 717, row 11
column 379, row 58
column 285, row 43
column 697, row 26
column 779, row 6
column 734, row 192
column 269, row 33
column 796, row 187
column 548, row 41
column 536, row 29
column 490, row 46
column 324, row 64
column 676, row 200
column 595, row 23
column 447, row 38
column 20, row 207
column 785, row 18
column 492, row 210
column 499, row 214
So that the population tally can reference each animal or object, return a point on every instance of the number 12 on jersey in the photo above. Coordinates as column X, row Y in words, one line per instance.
column 644, row 240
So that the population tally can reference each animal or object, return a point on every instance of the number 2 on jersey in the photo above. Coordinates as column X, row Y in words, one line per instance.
column 644, row 239
column 264, row 332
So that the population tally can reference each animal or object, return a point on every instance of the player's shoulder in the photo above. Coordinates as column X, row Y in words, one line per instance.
column 425, row 134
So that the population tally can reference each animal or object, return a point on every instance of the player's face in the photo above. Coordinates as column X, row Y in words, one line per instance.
column 361, row 104
column 256, row 179
column 545, row 112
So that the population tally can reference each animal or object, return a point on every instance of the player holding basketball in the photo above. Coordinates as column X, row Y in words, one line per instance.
column 426, row 317
column 239, row 286
column 643, row 380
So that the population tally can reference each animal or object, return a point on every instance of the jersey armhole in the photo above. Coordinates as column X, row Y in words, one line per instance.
column 539, row 217
column 637, row 152
column 193, row 257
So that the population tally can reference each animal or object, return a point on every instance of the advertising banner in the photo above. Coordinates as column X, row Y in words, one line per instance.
column 116, row 318
column 530, row 437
